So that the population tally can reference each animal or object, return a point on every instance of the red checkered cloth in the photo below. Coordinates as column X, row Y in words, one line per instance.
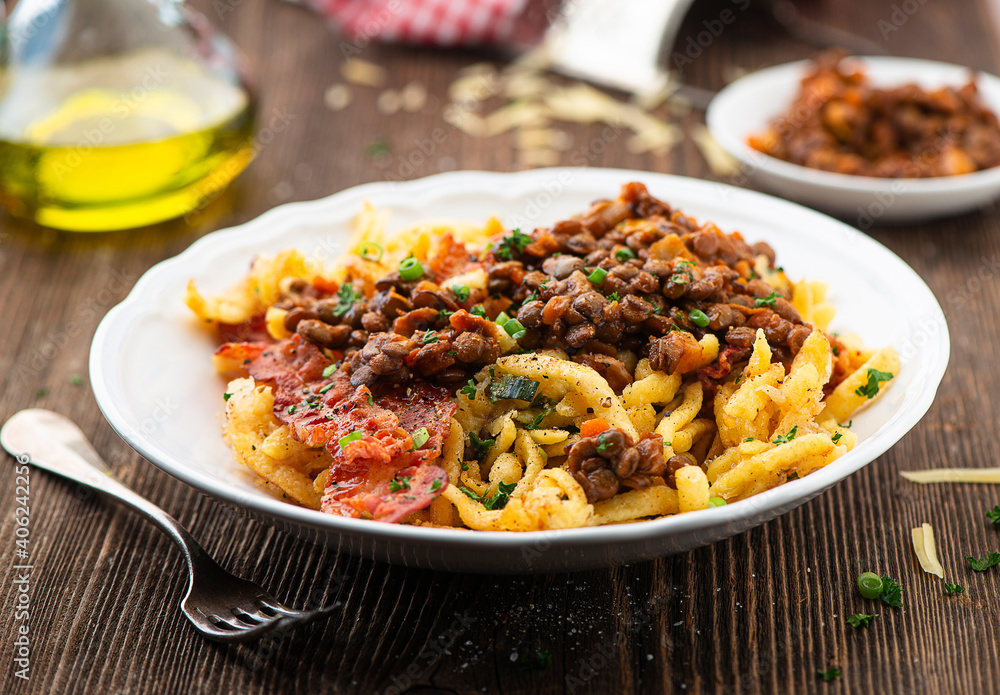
column 433, row 22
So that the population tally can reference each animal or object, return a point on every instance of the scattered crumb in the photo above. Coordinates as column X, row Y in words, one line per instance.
column 363, row 72
column 337, row 97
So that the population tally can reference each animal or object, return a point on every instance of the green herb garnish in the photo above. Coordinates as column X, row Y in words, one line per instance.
column 861, row 619
column 994, row 516
column 482, row 446
column 597, row 276
column 953, row 589
column 892, row 592
column 397, row 484
column 346, row 297
column 785, row 438
column 513, row 387
column 624, row 254
column 870, row 389
column 830, row 674
column 370, row 251
column 699, row 318
column 515, row 242
column 769, row 300
column 469, row 390
column 991, row 560
column 348, row 438
column 420, row 437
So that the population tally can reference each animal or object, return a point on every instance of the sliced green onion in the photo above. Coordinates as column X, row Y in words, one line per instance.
column 716, row 502
column 371, row 251
column 420, row 437
column 518, row 388
column 624, row 254
column 461, row 292
column 348, row 438
column 597, row 276
column 870, row 585
column 699, row 318
column 410, row 269
column 326, row 388
column 502, row 318
column 514, row 329
column 329, row 370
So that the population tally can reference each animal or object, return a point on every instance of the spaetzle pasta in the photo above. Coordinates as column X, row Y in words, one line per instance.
column 624, row 364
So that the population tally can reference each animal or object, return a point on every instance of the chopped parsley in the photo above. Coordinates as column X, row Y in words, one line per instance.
column 785, row 438
column 436, row 485
column 346, row 297
column 981, row 565
column 613, row 297
column 515, row 242
column 500, row 497
column 602, row 443
column 482, row 446
column 870, row 389
column 226, row 396
column 292, row 409
column 397, row 484
column 994, row 516
column 379, row 148
column 461, row 292
column 892, row 592
column 420, row 437
column 533, row 662
column 547, row 409
column 861, row 619
column 953, row 589
column 469, row 390
column 769, row 300
column 76, row 380
column 444, row 314
column 836, row 438
column 478, row 310
column 430, row 337
column 830, row 674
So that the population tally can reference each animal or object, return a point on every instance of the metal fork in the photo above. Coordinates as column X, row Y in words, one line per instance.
column 220, row 606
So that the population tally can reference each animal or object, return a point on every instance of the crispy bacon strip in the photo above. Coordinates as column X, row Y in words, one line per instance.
column 323, row 410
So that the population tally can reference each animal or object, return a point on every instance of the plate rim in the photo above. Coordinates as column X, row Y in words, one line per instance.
column 736, row 147
column 267, row 225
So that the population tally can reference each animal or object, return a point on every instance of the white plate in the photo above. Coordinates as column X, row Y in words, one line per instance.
column 152, row 376
column 745, row 108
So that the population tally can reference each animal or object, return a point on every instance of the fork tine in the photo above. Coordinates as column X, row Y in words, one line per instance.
column 273, row 604
column 233, row 629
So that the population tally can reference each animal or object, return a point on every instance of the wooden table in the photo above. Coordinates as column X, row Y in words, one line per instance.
column 757, row 613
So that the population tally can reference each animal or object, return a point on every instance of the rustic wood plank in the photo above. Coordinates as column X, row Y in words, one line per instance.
column 758, row 613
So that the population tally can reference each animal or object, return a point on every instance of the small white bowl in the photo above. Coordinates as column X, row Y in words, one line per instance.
column 747, row 106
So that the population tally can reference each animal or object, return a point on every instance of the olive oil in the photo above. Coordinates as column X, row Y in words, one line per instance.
column 121, row 142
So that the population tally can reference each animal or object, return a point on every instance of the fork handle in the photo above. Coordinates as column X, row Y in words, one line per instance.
column 49, row 441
